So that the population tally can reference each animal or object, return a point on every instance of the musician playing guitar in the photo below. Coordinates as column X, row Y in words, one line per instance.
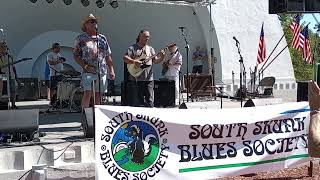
column 171, row 68
column 140, row 88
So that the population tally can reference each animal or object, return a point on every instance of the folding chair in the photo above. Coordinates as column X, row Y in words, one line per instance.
column 266, row 87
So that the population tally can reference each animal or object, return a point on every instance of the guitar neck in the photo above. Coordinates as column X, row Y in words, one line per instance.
column 15, row 62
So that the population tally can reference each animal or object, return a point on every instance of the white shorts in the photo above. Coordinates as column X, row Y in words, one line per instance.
column 87, row 79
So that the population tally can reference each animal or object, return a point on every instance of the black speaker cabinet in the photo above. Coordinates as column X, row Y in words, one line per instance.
column 164, row 93
column 28, row 89
column 22, row 124
column 249, row 103
column 129, row 94
column 87, row 123
column 5, row 88
column 302, row 91
column 4, row 99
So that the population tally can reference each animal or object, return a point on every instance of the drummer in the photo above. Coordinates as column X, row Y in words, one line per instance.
column 55, row 63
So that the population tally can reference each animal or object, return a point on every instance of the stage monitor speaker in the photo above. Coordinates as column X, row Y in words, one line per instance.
column 164, row 93
column 88, row 123
column 129, row 93
column 249, row 103
column 200, row 105
column 19, row 122
column 277, row 6
column 302, row 91
column 28, row 89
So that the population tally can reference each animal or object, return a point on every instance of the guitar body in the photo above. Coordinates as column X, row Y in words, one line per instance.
column 145, row 63
column 136, row 71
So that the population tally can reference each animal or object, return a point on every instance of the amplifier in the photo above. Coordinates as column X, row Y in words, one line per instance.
column 200, row 85
column 129, row 94
column 5, row 88
column 28, row 89
column 302, row 91
column 164, row 93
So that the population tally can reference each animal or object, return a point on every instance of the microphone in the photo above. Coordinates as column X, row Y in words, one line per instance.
column 236, row 40
column 1, row 31
column 182, row 28
column 96, row 27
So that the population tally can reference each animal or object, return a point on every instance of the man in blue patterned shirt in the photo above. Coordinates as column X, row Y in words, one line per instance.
column 92, row 52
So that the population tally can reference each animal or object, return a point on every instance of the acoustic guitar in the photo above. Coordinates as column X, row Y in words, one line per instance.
column 135, row 70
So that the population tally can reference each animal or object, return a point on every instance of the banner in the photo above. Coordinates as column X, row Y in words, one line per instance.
column 163, row 144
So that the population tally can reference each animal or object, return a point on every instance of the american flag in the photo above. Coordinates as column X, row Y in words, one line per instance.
column 297, row 40
column 307, row 55
column 262, row 48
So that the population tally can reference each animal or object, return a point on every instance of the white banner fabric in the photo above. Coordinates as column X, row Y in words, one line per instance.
column 164, row 144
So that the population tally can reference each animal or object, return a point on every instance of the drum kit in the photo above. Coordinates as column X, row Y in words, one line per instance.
column 68, row 89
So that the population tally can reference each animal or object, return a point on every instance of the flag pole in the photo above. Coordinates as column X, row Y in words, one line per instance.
column 262, row 70
column 272, row 52
column 314, row 52
column 265, row 63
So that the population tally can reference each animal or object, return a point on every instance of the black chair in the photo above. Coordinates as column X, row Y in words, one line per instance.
column 265, row 87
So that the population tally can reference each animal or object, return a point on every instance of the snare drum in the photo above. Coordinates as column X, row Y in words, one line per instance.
column 64, row 90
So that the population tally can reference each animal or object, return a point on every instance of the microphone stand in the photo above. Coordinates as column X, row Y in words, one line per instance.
column 180, row 86
column 99, row 76
column 241, row 71
column 93, row 87
column 187, row 52
column 9, row 79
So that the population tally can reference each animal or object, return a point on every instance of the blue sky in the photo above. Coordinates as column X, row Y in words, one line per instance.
column 309, row 18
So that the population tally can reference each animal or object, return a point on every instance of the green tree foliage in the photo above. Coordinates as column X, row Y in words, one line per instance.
column 302, row 70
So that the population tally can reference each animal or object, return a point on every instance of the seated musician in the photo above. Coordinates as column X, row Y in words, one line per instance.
column 54, row 61
column 172, row 68
column 142, row 94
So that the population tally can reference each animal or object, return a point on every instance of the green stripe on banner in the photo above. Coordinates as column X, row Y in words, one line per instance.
column 241, row 164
